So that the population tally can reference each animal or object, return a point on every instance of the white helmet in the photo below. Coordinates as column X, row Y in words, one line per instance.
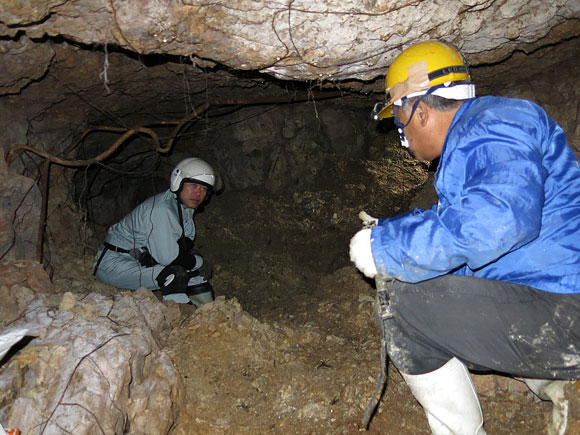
column 192, row 169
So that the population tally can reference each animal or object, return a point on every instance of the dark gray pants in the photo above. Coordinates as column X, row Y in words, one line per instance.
column 489, row 325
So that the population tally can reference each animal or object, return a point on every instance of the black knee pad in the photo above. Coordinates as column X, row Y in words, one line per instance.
column 198, row 289
column 173, row 279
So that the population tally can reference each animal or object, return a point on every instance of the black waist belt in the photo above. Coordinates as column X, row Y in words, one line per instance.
column 108, row 247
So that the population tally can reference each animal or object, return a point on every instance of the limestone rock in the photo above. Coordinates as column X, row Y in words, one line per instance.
column 95, row 366
column 19, row 215
column 23, row 62
column 305, row 39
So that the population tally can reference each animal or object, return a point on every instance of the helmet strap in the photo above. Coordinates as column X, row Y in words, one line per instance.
column 401, row 127
column 180, row 212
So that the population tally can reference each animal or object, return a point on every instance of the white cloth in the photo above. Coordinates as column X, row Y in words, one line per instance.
column 10, row 337
column 367, row 220
column 361, row 254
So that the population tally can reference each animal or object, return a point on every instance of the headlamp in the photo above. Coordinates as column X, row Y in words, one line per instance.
column 377, row 109
column 401, row 129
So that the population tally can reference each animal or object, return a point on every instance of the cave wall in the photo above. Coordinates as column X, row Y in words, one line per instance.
column 20, row 204
column 275, row 148
column 271, row 147
column 268, row 146
column 61, row 77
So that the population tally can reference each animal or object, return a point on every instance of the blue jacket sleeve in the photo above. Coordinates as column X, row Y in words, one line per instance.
column 490, row 203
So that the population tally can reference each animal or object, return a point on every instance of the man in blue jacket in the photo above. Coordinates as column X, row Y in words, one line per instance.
column 152, row 246
column 489, row 278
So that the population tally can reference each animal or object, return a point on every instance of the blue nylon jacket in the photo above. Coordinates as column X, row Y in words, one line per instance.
column 509, row 204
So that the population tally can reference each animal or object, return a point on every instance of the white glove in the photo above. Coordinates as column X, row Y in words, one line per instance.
column 361, row 254
column 367, row 220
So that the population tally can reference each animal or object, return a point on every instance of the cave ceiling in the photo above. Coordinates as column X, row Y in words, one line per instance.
column 125, row 61
column 298, row 40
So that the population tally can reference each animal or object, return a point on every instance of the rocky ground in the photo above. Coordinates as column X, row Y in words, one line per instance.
column 291, row 345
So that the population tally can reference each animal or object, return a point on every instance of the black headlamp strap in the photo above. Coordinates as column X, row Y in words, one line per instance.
column 457, row 69
column 416, row 103
column 180, row 214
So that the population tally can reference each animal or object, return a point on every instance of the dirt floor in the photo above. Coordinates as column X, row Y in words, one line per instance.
column 291, row 344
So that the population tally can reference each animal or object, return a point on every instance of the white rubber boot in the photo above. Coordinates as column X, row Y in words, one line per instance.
column 180, row 298
column 201, row 299
column 449, row 399
column 537, row 386
column 547, row 389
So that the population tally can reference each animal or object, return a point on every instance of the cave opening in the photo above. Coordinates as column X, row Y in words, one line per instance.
column 295, row 175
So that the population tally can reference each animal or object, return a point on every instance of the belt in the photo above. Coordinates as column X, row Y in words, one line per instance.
column 108, row 247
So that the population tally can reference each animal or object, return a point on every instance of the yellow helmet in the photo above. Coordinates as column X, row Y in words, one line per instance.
column 421, row 67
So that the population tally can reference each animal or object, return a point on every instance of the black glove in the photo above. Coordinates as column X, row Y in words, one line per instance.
column 145, row 258
column 186, row 256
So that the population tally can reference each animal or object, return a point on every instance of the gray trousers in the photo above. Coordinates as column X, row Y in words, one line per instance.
column 491, row 326
column 123, row 271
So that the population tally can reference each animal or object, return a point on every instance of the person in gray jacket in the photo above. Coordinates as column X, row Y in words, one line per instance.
column 152, row 246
